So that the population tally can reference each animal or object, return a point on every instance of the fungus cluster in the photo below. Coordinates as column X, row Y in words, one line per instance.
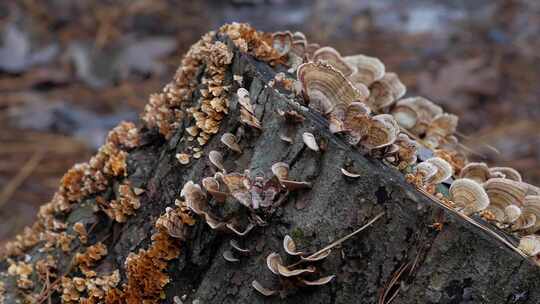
column 293, row 275
column 224, row 192
column 360, row 100
column 88, row 290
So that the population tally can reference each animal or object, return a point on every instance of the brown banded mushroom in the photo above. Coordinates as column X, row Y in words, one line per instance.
column 244, row 100
column 385, row 92
column 183, row 158
column 444, row 170
column 408, row 149
column 272, row 262
column 290, row 246
column 286, row 272
column 507, row 172
column 318, row 282
column 367, row 69
column 427, row 171
column 310, row 141
column 479, row 172
column 503, row 193
column 440, row 129
column 233, row 229
column 468, row 196
column 530, row 245
column 230, row 141
column 511, row 214
column 325, row 87
column 211, row 185
column 383, row 131
column 172, row 222
column 280, row 170
column 331, row 56
column 238, row 185
column 415, row 114
column 354, row 119
column 282, row 42
column 216, row 159
column 263, row 290
column 529, row 220
column 317, row 257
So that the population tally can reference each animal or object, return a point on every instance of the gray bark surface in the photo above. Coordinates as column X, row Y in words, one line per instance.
column 460, row 264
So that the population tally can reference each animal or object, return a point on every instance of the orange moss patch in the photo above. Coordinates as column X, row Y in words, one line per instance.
column 146, row 275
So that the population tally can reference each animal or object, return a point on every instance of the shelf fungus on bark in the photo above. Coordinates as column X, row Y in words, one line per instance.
column 506, row 172
column 282, row 42
column 444, row 170
column 415, row 113
column 212, row 186
column 529, row 220
column 332, row 57
column 236, row 247
column 385, row 92
column 247, row 114
column 479, row 172
column 383, row 131
column 183, row 158
column 263, row 290
column 530, row 245
column 290, row 246
column 468, row 196
column 173, row 223
column 325, row 87
column 281, row 170
column 231, row 142
column 366, row 69
column 310, row 141
column 440, row 130
column 503, row 193
column 349, row 174
column 216, row 159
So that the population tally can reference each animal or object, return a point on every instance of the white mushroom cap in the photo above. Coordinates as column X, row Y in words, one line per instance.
column 230, row 141
column 469, row 196
column 530, row 244
column 444, row 170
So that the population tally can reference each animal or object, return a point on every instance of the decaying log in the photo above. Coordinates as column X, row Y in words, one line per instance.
column 402, row 256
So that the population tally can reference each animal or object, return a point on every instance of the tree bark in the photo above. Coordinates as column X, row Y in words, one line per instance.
column 400, row 253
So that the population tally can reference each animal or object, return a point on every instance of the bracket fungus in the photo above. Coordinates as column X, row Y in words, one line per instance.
column 529, row 220
column 366, row 69
column 231, row 142
column 216, row 159
column 383, row 131
column 444, row 170
column 506, row 172
column 530, row 245
column 415, row 114
column 479, row 172
column 290, row 246
column 332, row 57
column 468, row 196
column 503, row 193
column 310, row 141
column 385, row 92
column 325, row 87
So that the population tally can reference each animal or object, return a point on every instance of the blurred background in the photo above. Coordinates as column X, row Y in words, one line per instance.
column 70, row 70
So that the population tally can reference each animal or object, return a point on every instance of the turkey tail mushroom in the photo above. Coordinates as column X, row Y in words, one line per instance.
column 468, row 196
column 326, row 87
column 503, row 193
